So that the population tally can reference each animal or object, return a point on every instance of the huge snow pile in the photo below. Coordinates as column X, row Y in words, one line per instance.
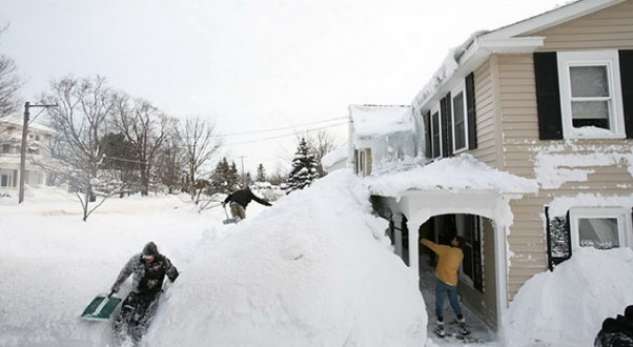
column 566, row 307
column 461, row 172
column 375, row 120
column 315, row 270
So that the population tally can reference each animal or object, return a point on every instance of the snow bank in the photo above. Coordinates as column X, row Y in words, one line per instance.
column 340, row 153
column 315, row 270
column 461, row 172
column 566, row 307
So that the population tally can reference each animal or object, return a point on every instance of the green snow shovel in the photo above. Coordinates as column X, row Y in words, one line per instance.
column 101, row 307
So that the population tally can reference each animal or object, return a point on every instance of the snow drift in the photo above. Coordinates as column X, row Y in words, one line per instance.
column 315, row 270
column 566, row 307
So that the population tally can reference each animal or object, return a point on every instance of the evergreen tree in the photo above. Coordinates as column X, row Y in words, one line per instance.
column 261, row 173
column 220, row 177
column 304, row 168
column 234, row 180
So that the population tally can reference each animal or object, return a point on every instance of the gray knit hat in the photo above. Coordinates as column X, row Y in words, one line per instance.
column 150, row 249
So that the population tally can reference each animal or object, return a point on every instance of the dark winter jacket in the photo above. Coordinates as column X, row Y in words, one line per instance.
column 616, row 332
column 244, row 197
column 147, row 278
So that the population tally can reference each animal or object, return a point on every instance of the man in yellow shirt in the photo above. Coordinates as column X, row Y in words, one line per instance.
column 447, row 273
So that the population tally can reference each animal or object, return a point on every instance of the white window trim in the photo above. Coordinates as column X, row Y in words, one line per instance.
column 460, row 88
column 608, row 58
column 436, row 109
column 623, row 215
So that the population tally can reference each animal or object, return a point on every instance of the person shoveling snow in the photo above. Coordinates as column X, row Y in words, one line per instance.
column 149, row 270
column 238, row 201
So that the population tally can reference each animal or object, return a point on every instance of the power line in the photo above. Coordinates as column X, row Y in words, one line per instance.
column 280, row 128
column 286, row 135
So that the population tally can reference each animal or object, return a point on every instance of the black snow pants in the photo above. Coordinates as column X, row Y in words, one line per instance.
column 136, row 313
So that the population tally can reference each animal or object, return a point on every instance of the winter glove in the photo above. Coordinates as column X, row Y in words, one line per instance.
column 115, row 289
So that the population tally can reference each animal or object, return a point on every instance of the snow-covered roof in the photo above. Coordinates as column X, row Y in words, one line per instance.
column 463, row 172
column 338, row 154
column 477, row 48
column 376, row 120
column 18, row 121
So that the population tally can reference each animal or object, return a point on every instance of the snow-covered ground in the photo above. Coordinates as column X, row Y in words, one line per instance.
column 314, row 270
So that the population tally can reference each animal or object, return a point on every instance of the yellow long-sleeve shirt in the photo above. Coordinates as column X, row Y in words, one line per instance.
column 449, row 261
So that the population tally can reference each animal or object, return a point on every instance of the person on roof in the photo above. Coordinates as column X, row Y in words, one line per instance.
column 447, row 274
column 238, row 201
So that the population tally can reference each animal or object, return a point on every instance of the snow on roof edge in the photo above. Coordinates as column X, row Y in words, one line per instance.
column 453, row 59
column 456, row 173
column 333, row 157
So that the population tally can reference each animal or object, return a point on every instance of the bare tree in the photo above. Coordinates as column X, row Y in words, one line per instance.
column 9, row 84
column 170, row 158
column 80, row 121
column 145, row 127
column 321, row 144
column 200, row 145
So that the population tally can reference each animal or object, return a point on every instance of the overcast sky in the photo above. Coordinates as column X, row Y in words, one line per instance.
column 249, row 64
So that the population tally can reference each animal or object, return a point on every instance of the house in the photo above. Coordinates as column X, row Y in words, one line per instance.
column 39, row 139
column 381, row 135
column 528, row 152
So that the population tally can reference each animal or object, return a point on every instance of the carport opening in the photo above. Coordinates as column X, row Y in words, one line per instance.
column 477, row 278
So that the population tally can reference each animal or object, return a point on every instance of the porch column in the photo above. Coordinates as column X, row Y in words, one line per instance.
column 398, row 238
column 414, row 247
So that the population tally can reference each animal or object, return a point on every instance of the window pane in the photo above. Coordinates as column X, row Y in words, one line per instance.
column 589, row 81
column 601, row 233
column 590, row 113
column 458, row 126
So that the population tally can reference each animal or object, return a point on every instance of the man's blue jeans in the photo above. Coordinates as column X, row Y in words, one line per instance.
column 441, row 291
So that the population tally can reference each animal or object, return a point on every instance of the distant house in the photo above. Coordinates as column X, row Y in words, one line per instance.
column 336, row 159
column 381, row 135
column 39, row 139
column 527, row 136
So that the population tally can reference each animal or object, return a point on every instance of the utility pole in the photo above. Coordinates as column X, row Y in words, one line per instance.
column 25, row 131
column 243, row 175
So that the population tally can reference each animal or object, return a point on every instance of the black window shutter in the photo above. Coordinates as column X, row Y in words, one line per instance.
column 427, row 136
column 447, row 124
column 477, row 263
column 550, row 121
column 626, row 76
column 471, row 109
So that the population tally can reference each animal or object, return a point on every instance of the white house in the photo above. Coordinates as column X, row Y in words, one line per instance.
column 381, row 135
column 39, row 139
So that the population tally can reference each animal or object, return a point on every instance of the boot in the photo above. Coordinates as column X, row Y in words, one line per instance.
column 439, row 329
column 463, row 328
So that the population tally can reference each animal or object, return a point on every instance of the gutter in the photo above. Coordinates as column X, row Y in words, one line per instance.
column 478, row 51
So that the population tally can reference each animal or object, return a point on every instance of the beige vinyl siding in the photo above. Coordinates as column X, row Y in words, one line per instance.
column 485, row 106
column 609, row 28
column 520, row 147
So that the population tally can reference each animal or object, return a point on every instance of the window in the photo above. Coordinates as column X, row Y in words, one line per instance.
column 591, row 103
column 6, row 148
column 460, row 128
column 4, row 180
column 601, row 228
column 436, row 136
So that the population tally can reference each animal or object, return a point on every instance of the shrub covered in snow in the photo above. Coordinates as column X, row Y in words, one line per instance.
column 566, row 307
